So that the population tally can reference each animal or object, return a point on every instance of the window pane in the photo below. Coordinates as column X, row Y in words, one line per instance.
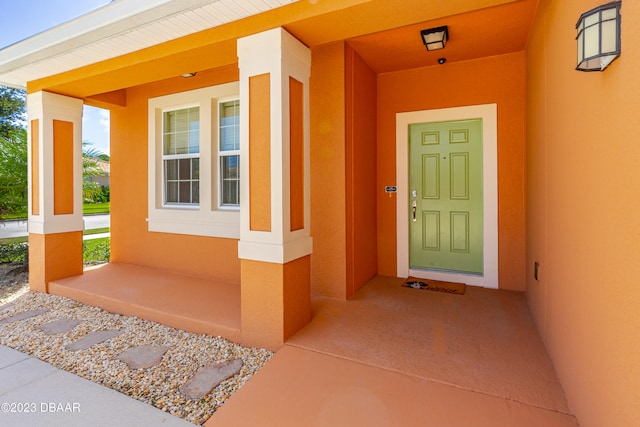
column 230, row 185
column 185, row 192
column 195, row 168
column 194, row 118
column 169, row 121
column 230, row 125
column 230, row 167
column 609, row 39
column 184, row 169
column 230, row 193
column 227, row 139
column 171, row 169
column 591, row 41
column 194, row 142
column 182, row 121
column 172, row 192
column 182, row 143
column 169, row 144
column 195, row 192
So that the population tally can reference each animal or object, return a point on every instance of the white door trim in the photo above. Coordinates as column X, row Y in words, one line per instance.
column 489, row 115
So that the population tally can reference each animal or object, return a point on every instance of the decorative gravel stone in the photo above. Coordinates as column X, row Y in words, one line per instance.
column 24, row 315
column 93, row 338
column 143, row 356
column 158, row 385
column 61, row 326
column 208, row 377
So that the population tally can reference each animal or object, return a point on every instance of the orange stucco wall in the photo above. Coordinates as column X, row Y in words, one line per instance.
column 260, row 152
column 275, row 301
column 360, row 172
column 500, row 80
column 327, row 135
column 53, row 256
column 131, row 242
column 583, row 177
column 62, row 167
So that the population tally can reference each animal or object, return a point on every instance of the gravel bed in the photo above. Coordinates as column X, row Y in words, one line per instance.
column 158, row 385
column 14, row 282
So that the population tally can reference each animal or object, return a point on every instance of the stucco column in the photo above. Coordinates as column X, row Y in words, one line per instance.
column 275, row 243
column 55, row 188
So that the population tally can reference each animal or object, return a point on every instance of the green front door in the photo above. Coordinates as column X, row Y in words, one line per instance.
column 445, row 196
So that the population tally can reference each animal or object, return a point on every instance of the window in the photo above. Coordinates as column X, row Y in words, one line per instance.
column 229, row 153
column 194, row 153
column 181, row 156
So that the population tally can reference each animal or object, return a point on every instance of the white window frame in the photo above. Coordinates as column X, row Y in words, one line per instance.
column 177, row 157
column 207, row 218
column 226, row 154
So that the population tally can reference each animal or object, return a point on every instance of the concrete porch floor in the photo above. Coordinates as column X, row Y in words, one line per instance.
column 394, row 356
column 190, row 303
column 390, row 356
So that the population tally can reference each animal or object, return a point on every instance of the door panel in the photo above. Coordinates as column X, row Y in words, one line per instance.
column 445, row 182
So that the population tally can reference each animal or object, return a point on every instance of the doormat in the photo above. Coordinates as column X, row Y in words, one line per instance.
column 434, row 285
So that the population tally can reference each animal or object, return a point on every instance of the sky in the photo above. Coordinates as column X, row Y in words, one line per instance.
column 21, row 19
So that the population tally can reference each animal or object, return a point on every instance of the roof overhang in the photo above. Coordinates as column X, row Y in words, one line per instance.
column 129, row 43
column 116, row 29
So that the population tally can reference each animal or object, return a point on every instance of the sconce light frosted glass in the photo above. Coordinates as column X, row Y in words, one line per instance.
column 435, row 38
column 598, row 37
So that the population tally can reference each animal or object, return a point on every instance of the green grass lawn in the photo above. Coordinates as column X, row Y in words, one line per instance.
column 96, row 250
column 95, row 231
column 95, row 208
column 87, row 209
column 21, row 214
column 93, row 251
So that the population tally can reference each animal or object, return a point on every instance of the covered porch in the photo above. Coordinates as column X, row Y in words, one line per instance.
column 390, row 355
column 395, row 356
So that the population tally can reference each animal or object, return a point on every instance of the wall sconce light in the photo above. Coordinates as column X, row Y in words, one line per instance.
column 435, row 38
column 598, row 37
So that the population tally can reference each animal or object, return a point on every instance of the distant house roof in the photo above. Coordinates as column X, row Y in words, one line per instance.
column 118, row 28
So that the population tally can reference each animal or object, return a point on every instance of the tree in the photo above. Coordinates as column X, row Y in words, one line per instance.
column 13, row 171
column 12, row 111
column 91, row 191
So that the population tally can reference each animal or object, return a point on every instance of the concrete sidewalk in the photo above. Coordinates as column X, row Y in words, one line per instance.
column 34, row 393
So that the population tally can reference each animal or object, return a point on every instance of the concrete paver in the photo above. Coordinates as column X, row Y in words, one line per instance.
column 93, row 338
column 36, row 394
column 60, row 326
column 208, row 377
column 25, row 315
column 143, row 356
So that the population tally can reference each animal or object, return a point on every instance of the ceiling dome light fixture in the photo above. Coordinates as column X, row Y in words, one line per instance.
column 435, row 38
column 187, row 75
column 598, row 37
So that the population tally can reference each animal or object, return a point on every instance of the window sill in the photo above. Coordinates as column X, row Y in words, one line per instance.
column 224, row 224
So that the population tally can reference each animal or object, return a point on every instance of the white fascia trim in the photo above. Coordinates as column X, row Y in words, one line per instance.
column 275, row 253
column 489, row 115
column 114, row 18
column 111, row 19
column 206, row 219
